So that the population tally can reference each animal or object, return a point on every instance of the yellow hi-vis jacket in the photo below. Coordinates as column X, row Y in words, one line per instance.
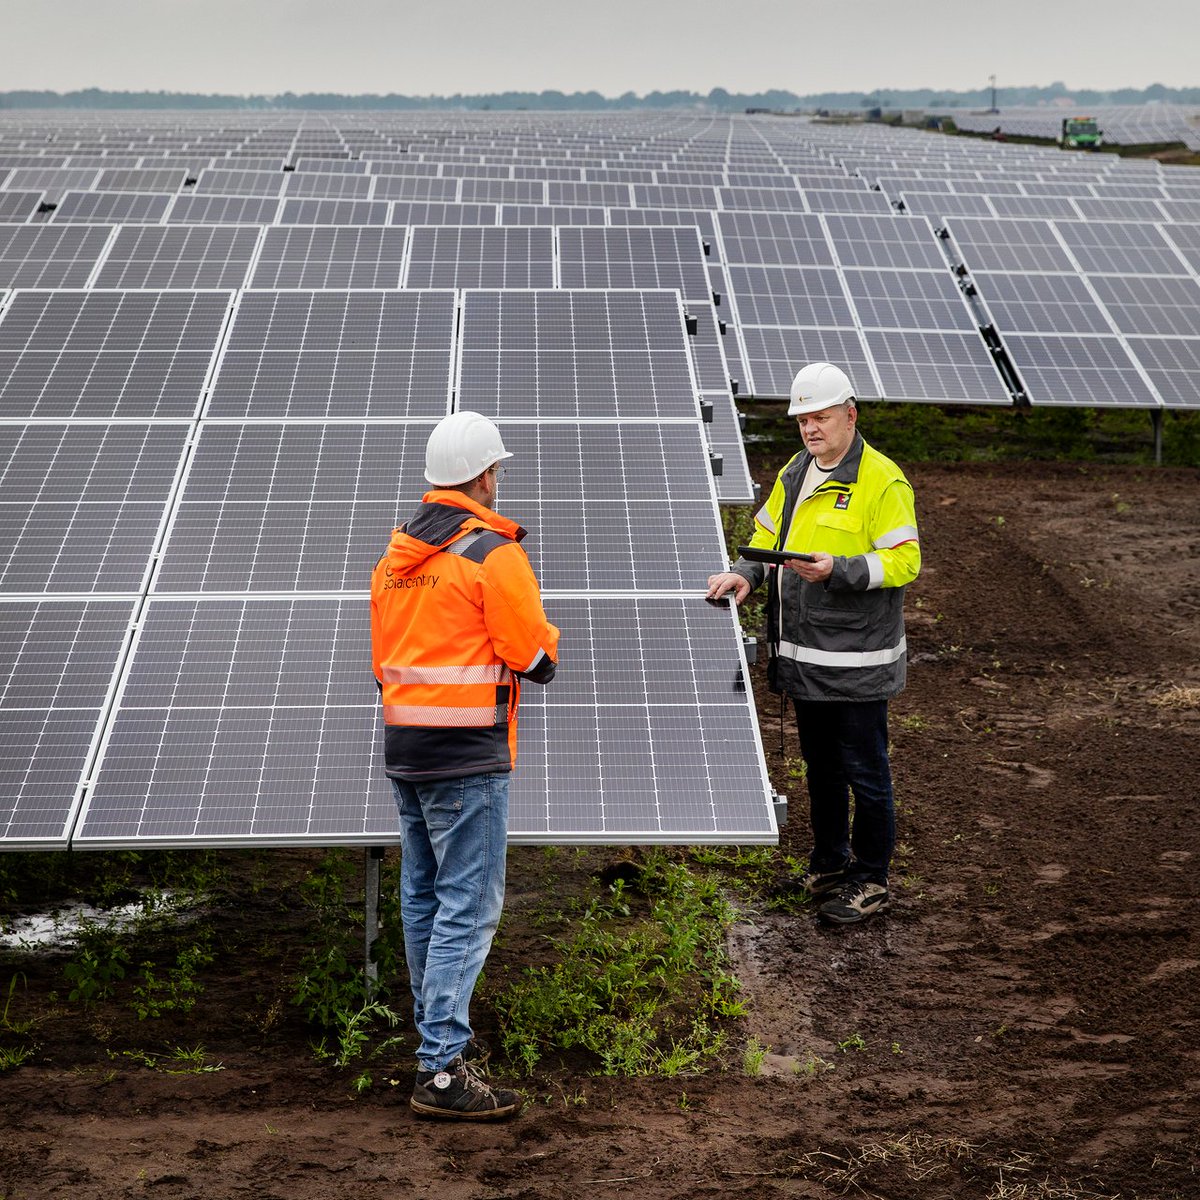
column 842, row 639
column 456, row 623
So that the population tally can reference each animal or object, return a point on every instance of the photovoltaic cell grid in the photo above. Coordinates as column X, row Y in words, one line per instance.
column 337, row 355
column 68, row 355
column 575, row 354
column 50, row 256
column 200, row 256
column 473, row 256
column 328, row 256
column 218, row 738
column 58, row 662
column 81, row 505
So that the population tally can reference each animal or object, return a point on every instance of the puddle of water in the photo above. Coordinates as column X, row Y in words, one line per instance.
column 60, row 929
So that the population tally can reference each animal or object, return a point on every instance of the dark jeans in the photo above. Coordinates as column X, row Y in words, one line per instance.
column 845, row 749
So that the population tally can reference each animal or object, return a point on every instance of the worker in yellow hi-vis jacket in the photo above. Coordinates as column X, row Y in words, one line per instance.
column 835, row 630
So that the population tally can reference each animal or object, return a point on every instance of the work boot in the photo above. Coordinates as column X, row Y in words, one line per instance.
column 857, row 900
column 457, row 1093
column 821, row 883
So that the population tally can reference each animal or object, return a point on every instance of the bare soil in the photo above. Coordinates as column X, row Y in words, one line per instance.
column 1023, row 1023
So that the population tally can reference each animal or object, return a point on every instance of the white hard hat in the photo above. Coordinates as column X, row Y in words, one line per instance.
column 817, row 386
column 462, row 446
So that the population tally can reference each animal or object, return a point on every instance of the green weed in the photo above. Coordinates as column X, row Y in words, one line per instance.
column 640, row 980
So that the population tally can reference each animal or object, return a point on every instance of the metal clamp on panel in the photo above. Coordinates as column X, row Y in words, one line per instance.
column 779, row 803
column 706, row 411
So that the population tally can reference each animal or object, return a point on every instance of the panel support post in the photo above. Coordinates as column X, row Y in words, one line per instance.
column 373, row 860
column 1156, row 415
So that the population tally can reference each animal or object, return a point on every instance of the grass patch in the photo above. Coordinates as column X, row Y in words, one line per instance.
column 639, row 981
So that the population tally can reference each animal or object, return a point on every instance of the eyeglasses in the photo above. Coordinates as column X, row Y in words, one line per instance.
column 498, row 471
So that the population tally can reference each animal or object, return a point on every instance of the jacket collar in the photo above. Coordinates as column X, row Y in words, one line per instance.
column 478, row 517
column 846, row 471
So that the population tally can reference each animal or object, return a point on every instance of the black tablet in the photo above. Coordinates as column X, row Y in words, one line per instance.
column 755, row 554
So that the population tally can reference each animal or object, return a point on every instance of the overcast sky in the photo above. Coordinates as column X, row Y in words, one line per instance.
column 610, row 46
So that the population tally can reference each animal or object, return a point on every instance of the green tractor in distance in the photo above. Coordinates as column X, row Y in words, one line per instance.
column 1079, row 133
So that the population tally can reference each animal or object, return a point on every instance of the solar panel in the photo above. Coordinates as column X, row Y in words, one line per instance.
column 180, row 256
column 1182, row 209
column 1023, row 303
column 647, row 740
column 419, row 212
column 328, row 186
column 786, row 239
column 48, row 256
column 93, row 355
column 251, row 488
column 82, row 504
column 907, row 300
column 153, row 179
column 1035, row 206
column 18, row 206
column 502, row 191
column 415, row 187
column 940, row 206
column 328, row 256
column 935, row 366
column 1096, row 371
column 60, row 663
column 510, row 256
column 774, row 200
column 872, row 241
column 1121, row 248
column 646, row 257
column 334, row 212
column 790, row 296
column 54, row 182
column 550, row 214
column 724, row 434
column 774, row 355
column 348, row 355
column 575, row 354
column 601, row 195
column 649, row 195
column 1173, row 365
column 1008, row 245
column 845, row 200
column 128, row 207
column 223, row 210
column 228, row 181
column 1150, row 306
column 1119, row 210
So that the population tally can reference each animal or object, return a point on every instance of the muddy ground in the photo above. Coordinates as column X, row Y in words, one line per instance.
column 1024, row 1023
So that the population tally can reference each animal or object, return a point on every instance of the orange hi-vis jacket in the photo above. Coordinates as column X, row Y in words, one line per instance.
column 456, row 621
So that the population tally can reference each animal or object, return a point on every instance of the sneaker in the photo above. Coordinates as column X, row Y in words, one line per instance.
column 821, row 883
column 856, row 901
column 456, row 1093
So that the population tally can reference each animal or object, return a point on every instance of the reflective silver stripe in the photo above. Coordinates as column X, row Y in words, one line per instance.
column 853, row 658
column 475, row 673
column 874, row 571
column 465, row 542
column 764, row 519
column 896, row 537
column 537, row 658
column 443, row 716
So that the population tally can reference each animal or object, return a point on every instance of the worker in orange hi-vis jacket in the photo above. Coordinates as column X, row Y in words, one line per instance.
column 456, row 623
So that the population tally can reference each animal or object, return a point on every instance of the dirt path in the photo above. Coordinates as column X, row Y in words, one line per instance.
column 1026, row 1017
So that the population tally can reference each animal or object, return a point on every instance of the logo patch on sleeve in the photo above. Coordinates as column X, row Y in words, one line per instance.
column 842, row 501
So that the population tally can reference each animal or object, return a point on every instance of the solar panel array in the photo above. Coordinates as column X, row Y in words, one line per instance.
column 223, row 344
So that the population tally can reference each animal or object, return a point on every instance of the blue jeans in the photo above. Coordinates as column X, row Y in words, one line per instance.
column 844, row 745
column 454, row 842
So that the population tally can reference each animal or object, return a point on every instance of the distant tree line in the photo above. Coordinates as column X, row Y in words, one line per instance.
column 717, row 100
